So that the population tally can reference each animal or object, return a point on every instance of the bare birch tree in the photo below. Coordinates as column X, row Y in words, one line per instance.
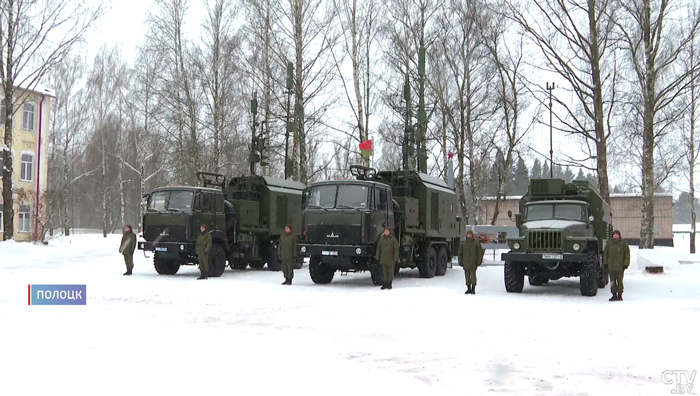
column 654, row 46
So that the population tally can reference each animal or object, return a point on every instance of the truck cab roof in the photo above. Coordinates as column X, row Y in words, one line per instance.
column 187, row 188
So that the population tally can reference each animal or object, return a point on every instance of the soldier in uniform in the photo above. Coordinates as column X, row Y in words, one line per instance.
column 202, row 248
column 127, row 248
column 388, row 256
column 288, row 253
column 616, row 257
column 470, row 256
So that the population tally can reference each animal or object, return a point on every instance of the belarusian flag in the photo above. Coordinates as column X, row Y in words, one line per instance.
column 366, row 148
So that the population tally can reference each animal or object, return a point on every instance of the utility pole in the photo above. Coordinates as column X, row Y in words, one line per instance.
column 254, row 141
column 550, row 88
column 290, row 85
column 408, row 143
column 422, row 116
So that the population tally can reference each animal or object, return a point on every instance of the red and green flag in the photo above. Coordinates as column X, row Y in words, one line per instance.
column 366, row 148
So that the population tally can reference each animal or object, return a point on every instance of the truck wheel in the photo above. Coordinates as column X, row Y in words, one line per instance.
column 320, row 273
column 442, row 259
column 257, row 264
column 603, row 275
column 165, row 267
column 377, row 275
column 588, row 277
column 273, row 263
column 514, row 277
column 428, row 265
column 237, row 263
column 217, row 261
column 538, row 280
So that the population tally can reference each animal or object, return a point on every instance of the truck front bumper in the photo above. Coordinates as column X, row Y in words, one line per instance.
column 308, row 250
column 169, row 247
column 544, row 258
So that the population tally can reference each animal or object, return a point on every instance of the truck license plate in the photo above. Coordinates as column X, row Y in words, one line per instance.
column 161, row 249
column 328, row 253
column 552, row 256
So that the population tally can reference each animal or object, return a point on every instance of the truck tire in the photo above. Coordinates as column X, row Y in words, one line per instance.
column 165, row 267
column 257, row 264
column 442, row 261
column 588, row 277
column 320, row 273
column 537, row 280
column 273, row 263
column 514, row 277
column 237, row 263
column 217, row 261
column 377, row 274
column 428, row 265
column 603, row 274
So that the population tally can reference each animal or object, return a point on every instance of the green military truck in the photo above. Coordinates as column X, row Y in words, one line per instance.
column 245, row 217
column 563, row 230
column 344, row 219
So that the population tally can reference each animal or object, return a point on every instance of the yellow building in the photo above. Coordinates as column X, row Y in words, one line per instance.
column 30, row 144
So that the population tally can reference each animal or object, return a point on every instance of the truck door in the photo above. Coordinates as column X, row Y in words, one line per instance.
column 204, row 211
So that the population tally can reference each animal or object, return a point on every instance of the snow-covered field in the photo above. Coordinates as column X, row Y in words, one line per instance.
column 244, row 333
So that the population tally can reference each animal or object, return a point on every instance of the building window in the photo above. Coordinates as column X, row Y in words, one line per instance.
column 28, row 117
column 25, row 215
column 27, row 168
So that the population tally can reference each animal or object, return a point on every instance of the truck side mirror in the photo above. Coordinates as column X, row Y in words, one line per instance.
column 518, row 220
column 510, row 214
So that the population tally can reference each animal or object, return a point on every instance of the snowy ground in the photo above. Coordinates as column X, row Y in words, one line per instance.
column 244, row 332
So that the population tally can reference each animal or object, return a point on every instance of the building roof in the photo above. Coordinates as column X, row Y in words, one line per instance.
column 40, row 89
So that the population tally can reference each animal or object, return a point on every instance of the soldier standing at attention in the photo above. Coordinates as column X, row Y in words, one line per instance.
column 127, row 248
column 617, row 257
column 202, row 247
column 288, row 253
column 470, row 256
column 388, row 256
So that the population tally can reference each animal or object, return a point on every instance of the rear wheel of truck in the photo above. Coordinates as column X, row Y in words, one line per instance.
column 257, row 264
column 320, row 273
column 237, row 263
column 217, row 261
column 165, row 267
column 428, row 265
column 377, row 274
column 538, row 280
column 603, row 274
column 442, row 261
column 273, row 263
column 588, row 276
column 514, row 277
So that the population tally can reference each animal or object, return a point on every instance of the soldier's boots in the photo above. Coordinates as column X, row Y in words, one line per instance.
column 614, row 297
column 287, row 282
column 389, row 285
column 384, row 285
column 474, row 289
column 203, row 276
column 619, row 296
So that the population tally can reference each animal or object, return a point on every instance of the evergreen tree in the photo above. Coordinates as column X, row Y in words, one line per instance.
column 545, row 170
column 568, row 175
column 580, row 175
column 521, row 178
column 536, row 169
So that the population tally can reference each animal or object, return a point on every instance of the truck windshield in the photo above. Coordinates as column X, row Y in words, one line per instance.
column 557, row 211
column 171, row 201
column 348, row 196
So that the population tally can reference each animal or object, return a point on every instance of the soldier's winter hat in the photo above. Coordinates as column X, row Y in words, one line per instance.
column 288, row 226
column 470, row 232
column 618, row 233
column 129, row 227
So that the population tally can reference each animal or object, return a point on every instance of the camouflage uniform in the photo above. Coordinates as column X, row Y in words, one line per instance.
column 387, row 256
column 470, row 256
column 617, row 257
column 288, row 255
column 202, row 248
column 126, row 248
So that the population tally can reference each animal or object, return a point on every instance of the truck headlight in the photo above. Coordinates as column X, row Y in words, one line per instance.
column 303, row 249
column 358, row 251
column 576, row 247
column 141, row 245
column 182, row 247
column 516, row 246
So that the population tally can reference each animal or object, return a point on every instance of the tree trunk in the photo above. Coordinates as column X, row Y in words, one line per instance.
column 647, row 232
column 691, row 147
column 8, row 216
column 104, row 182
column 299, row 132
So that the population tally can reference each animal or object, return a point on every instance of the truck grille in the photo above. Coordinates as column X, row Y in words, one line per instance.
column 173, row 233
column 334, row 234
column 544, row 240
